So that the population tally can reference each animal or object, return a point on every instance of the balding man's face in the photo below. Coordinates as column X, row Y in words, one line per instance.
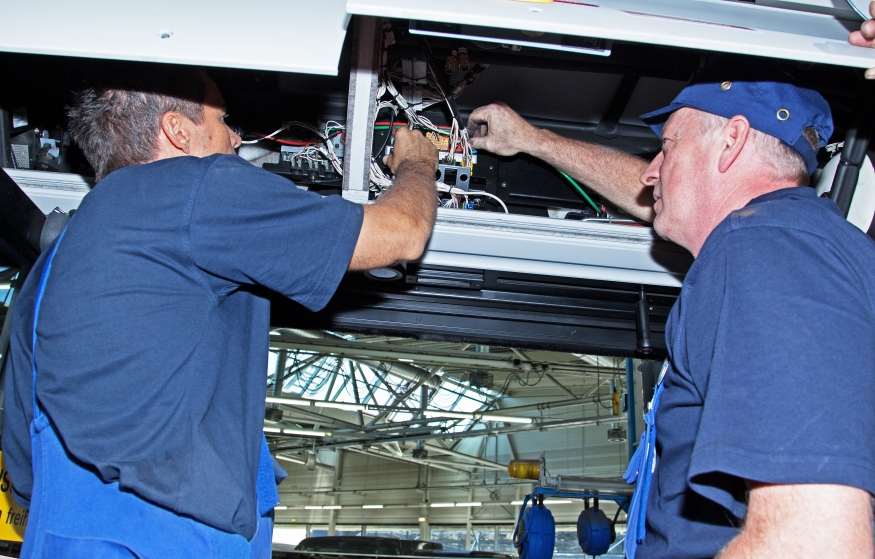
column 678, row 175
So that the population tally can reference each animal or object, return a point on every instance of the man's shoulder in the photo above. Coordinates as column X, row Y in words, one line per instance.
column 176, row 167
column 791, row 214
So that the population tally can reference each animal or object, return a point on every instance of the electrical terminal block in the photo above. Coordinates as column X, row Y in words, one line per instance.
column 303, row 166
column 441, row 142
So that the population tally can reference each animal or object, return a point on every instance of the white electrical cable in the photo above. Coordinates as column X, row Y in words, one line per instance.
column 443, row 187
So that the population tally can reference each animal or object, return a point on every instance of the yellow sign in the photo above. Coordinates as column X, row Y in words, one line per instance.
column 13, row 519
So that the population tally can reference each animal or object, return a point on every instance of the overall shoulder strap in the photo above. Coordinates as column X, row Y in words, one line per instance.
column 44, row 278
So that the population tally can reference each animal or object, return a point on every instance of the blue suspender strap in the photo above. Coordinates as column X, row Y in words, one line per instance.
column 47, row 269
column 640, row 472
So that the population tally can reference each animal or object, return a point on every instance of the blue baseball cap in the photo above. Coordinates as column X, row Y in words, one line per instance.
column 763, row 94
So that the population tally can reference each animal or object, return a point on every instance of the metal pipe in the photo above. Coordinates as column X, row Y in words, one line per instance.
column 320, row 465
column 583, row 422
column 281, row 358
column 404, row 371
column 464, row 456
column 298, row 367
column 372, row 452
column 508, row 483
column 497, row 467
column 560, row 385
column 355, row 390
column 398, row 400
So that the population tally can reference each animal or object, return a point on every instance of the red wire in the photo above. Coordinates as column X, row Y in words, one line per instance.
column 293, row 143
column 404, row 124
column 286, row 142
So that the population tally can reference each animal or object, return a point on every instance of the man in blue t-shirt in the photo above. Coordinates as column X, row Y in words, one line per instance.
column 765, row 417
column 135, row 384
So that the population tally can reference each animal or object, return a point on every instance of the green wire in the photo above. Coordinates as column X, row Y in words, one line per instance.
column 579, row 189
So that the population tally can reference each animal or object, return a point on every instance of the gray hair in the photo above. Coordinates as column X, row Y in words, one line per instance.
column 117, row 124
column 783, row 163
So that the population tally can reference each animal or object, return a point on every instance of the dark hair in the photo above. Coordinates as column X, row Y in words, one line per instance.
column 117, row 124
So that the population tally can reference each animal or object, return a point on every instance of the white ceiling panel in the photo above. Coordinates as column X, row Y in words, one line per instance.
column 283, row 35
column 715, row 25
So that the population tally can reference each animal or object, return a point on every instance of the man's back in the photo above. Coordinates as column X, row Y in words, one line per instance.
column 154, row 327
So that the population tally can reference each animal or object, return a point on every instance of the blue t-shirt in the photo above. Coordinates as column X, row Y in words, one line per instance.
column 772, row 377
column 153, row 333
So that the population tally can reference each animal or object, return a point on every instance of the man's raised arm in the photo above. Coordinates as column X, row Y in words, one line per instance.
column 612, row 173
column 398, row 225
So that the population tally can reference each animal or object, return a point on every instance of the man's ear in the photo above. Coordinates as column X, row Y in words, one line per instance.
column 732, row 141
column 175, row 129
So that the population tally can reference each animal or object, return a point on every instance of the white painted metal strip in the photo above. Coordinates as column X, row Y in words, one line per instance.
column 287, row 36
column 714, row 25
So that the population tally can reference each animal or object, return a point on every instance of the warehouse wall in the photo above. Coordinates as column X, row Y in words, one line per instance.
column 371, row 480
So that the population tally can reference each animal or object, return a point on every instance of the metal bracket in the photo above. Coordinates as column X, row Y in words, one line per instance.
column 361, row 108
column 455, row 176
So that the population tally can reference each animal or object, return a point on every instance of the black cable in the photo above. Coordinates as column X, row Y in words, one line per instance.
column 617, row 515
column 388, row 135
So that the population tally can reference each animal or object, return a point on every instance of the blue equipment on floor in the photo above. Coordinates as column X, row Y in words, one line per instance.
column 535, row 533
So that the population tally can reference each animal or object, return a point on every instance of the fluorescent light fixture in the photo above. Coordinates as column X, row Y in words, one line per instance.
column 472, row 504
column 550, row 41
column 313, row 507
column 423, row 519
column 332, row 507
column 372, row 506
column 478, row 416
column 280, row 507
column 517, row 503
column 271, row 430
column 315, row 403
column 306, row 433
column 504, row 418
column 442, row 505
column 406, row 360
column 5, row 286
column 560, row 501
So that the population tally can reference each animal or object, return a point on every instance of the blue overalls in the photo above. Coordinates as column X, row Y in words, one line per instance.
column 75, row 514
column 640, row 472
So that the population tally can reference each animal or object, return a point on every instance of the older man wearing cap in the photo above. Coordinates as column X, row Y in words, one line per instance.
column 760, row 442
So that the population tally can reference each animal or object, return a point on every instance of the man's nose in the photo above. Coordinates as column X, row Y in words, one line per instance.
column 236, row 140
column 650, row 176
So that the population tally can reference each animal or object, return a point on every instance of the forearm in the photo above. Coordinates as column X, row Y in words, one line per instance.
column 398, row 225
column 778, row 523
column 413, row 198
column 610, row 172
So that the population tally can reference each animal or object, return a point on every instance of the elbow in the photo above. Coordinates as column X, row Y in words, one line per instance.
column 417, row 241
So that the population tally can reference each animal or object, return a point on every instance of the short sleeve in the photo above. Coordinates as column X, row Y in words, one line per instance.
column 249, row 226
column 789, row 385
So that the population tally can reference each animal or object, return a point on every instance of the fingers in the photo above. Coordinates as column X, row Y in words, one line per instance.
column 411, row 146
column 872, row 9
column 478, row 121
